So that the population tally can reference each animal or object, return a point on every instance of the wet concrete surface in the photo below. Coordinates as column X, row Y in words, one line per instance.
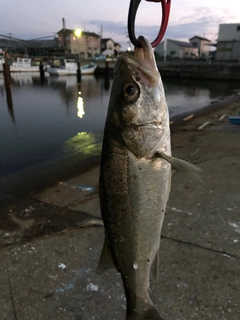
column 48, row 262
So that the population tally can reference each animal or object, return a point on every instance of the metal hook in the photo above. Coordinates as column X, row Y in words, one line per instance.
column 132, row 16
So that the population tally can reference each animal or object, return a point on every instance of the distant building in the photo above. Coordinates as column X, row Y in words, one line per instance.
column 37, row 47
column 13, row 45
column 176, row 49
column 202, row 44
column 87, row 45
column 228, row 43
column 41, row 47
column 109, row 47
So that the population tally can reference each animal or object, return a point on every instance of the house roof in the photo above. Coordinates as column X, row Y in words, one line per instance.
column 91, row 34
column 182, row 43
column 85, row 33
column 201, row 38
column 105, row 40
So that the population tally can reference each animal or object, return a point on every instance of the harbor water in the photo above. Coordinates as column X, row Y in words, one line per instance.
column 45, row 120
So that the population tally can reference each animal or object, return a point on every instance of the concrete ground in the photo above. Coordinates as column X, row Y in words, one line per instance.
column 48, row 262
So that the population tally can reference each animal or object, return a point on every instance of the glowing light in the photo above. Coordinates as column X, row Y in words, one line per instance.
column 80, row 107
column 78, row 33
column 84, row 143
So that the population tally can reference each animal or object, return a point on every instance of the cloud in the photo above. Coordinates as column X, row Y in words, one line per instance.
column 181, row 31
column 111, row 29
column 202, row 21
column 110, row 26
column 186, row 19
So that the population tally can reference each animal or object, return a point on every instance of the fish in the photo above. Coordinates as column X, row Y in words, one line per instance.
column 135, row 177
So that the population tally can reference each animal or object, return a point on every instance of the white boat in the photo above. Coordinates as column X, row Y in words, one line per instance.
column 88, row 69
column 2, row 61
column 23, row 65
column 70, row 68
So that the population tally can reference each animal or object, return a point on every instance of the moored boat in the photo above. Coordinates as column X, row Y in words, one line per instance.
column 89, row 68
column 23, row 65
column 70, row 68
column 2, row 61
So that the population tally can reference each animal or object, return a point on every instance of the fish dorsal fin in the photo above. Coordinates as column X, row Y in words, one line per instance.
column 105, row 262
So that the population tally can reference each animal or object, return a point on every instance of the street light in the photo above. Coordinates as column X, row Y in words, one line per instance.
column 78, row 34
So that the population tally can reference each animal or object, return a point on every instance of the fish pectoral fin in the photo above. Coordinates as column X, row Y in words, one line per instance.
column 105, row 262
column 155, row 267
column 182, row 165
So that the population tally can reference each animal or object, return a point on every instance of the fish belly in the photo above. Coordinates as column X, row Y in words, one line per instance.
column 134, row 193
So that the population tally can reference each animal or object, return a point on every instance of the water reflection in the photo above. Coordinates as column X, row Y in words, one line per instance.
column 22, row 79
column 69, row 88
column 10, row 103
column 191, row 94
column 7, row 90
column 84, row 143
column 54, row 117
column 66, row 81
column 80, row 103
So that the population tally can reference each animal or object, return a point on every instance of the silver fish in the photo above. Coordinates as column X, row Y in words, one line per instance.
column 135, row 177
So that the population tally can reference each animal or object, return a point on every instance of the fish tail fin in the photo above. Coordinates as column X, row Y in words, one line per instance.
column 148, row 313
column 105, row 262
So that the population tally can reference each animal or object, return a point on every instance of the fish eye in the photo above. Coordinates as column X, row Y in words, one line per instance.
column 130, row 91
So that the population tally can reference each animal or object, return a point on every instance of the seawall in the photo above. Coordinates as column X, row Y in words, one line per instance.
column 188, row 69
column 196, row 70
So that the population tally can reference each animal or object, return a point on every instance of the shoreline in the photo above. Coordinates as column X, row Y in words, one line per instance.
column 38, row 178
column 214, row 106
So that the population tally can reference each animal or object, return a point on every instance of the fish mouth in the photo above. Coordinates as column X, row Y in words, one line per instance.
column 150, row 125
column 142, row 64
column 143, row 57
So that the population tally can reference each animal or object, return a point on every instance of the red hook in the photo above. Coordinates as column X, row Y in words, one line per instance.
column 166, row 4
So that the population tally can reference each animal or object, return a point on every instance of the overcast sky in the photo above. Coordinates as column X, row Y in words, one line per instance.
column 28, row 19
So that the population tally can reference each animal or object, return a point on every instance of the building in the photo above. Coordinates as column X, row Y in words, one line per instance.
column 12, row 45
column 47, row 47
column 202, row 44
column 109, row 47
column 228, row 43
column 37, row 47
column 176, row 49
column 87, row 45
